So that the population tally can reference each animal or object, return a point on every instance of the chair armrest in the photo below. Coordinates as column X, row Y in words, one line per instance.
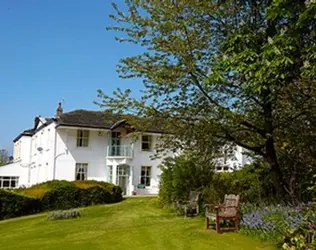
column 209, row 206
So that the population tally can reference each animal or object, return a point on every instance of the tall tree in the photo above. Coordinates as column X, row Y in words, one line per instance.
column 4, row 157
column 220, row 70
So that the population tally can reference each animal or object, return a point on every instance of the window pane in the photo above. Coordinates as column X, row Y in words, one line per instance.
column 13, row 183
column 147, row 181
column 148, row 171
column 6, row 183
column 142, row 180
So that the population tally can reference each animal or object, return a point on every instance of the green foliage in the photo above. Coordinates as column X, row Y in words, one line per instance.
column 304, row 235
column 240, row 72
column 188, row 172
column 15, row 205
column 4, row 157
column 62, row 198
column 183, row 174
column 252, row 183
column 78, row 194
column 39, row 190
column 292, row 227
column 64, row 214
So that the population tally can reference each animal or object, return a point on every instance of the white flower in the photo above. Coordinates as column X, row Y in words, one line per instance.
column 306, row 64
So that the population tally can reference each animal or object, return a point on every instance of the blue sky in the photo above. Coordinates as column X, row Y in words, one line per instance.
column 51, row 50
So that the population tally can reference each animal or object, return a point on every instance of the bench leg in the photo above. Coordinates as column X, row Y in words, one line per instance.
column 218, row 229
column 236, row 224
column 207, row 222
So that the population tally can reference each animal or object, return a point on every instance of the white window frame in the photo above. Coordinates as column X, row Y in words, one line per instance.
column 11, row 179
column 149, row 141
column 83, row 174
column 146, row 175
column 82, row 138
column 110, row 173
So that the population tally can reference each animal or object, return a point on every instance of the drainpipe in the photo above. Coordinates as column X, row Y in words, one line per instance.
column 55, row 149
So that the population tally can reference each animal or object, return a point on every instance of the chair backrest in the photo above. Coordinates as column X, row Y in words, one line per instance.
column 232, row 201
column 194, row 196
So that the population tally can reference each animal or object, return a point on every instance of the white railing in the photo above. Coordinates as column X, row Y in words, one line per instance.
column 120, row 151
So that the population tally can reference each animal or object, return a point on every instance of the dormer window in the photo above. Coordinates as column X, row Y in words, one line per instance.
column 146, row 143
column 82, row 138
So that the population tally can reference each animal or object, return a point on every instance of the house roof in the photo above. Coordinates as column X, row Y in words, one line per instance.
column 97, row 119
column 32, row 131
column 86, row 119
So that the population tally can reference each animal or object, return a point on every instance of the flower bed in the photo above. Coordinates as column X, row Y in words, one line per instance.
column 289, row 226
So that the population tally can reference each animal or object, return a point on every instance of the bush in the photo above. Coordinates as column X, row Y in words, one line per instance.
column 62, row 198
column 14, row 205
column 64, row 214
column 41, row 189
column 81, row 193
column 182, row 174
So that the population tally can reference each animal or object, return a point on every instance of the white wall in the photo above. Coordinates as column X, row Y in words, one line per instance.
column 94, row 154
column 15, row 169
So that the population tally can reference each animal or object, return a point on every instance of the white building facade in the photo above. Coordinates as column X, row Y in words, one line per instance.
column 87, row 145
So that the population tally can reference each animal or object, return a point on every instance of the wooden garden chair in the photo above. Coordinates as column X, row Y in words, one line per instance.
column 191, row 204
column 228, row 211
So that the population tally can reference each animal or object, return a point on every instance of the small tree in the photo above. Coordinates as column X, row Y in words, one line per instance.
column 4, row 157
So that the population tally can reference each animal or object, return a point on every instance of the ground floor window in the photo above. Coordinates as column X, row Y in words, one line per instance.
column 9, row 181
column 145, row 175
column 110, row 174
column 81, row 171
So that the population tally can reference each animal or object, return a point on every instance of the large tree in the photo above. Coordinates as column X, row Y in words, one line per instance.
column 227, row 70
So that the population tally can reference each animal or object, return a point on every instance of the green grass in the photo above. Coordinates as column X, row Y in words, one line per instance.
column 136, row 223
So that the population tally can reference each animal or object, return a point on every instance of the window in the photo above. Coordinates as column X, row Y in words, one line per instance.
column 218, row 168
column 82, row 138
column 225, row 168
column 81, row 171
column 145, row 176
column 110, row 174
column 9, row 181
column 146, row 142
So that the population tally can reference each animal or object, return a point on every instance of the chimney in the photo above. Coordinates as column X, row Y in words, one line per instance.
column 59, row 110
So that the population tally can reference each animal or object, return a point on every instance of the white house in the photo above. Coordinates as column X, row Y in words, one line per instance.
column 88, row 145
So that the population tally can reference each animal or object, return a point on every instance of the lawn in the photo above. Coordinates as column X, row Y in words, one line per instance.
column 136, row 223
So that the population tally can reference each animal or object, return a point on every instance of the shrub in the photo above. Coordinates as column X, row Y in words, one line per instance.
column 81, row 193
column 41, row 189
column 62, row 198
column 99, row 195
column 14, row 205
column 64, row 214
column 181, row 175
column 187, row 172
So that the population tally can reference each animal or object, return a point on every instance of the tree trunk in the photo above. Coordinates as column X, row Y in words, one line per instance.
column 277, row 176
column 270, row 153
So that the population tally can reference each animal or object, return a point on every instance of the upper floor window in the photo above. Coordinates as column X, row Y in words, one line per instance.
column 82, row 138
column 146, row 143
column 81, row 171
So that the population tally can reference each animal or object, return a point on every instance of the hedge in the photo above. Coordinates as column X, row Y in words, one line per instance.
column 57, row 195
column 14, row 205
